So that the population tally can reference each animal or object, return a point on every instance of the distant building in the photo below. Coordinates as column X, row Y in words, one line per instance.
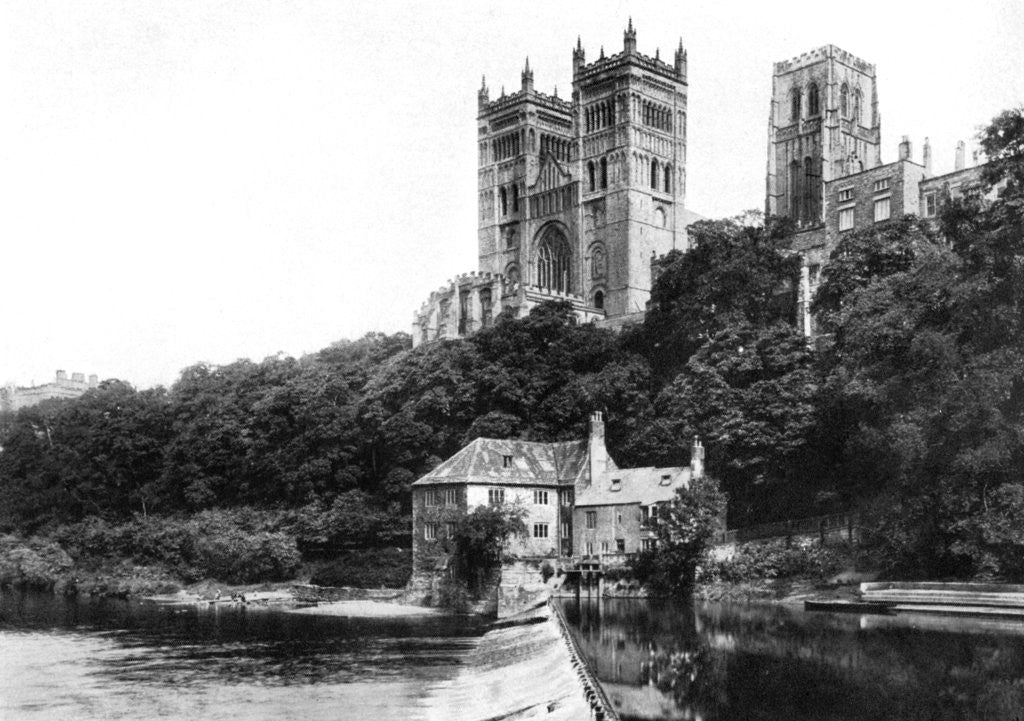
column 575, row 195
column 825, row 170
column 578, row 502
column 14, row 397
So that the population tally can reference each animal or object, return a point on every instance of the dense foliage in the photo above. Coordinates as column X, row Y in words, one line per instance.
column 910, row 408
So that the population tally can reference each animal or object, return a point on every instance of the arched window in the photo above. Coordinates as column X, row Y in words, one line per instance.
column 504, row 201
column 512, row 273
column 553, row 261
column 515, row 198
column 794, row 190
column 857, row 107
column 813, row 101
column 597, row 264
column 604, row 172
column 844, row 101
column 486, row 307
column 654, row 174
column 668, row 178
column 590, row 171
column 599, row 300
column 794, row 109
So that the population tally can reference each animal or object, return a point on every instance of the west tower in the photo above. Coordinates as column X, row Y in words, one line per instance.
column 823, row 124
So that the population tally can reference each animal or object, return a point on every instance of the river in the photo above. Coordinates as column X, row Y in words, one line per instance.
column 759, row 662
column 114, row 659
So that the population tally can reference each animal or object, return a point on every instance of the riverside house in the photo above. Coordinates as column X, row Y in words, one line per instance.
column 579, row 504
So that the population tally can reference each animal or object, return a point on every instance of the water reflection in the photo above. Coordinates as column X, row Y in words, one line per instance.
column 673, row 661
column 116, row 659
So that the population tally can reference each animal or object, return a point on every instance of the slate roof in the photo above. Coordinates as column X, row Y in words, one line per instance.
column 533, row 464
column 636, row 485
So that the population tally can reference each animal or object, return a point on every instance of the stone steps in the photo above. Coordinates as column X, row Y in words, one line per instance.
column 976, row 599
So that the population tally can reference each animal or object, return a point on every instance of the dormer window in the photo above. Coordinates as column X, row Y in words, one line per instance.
column 506, row 461
column 666, row 480
column 616, row 484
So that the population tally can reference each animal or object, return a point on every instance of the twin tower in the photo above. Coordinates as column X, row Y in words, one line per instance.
column 577, row 196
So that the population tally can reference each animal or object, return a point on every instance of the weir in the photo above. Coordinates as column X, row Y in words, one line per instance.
column 526, row 670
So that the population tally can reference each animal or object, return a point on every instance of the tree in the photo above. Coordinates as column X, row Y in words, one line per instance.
column 684, row 530
column 480, row 539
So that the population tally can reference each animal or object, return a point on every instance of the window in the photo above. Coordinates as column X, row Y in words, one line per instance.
column 845, row 195
column 430, row 498
column 553, row 261
column 856, row 107
column 620, row 545
column 604, row 172
column 515, row 198
column 565, row 530
column 648, row 544
column 794, row 190
column 506, row 461
column 668, row 178
column 931, row 206
column 813, row 101
column 486, row 304
column 504, row 201
column 430, row 531
column 880, row 185
column 645, row 514
column 591, row 517
column 666, row 480
column 814, row 274
column 451, row 496
column 565, row 497
column 495, row 496
column 591, row 175
column 616, row 484
column 590, row 549
column 845, row 218
column 597, row 263
column 618, row 519
column 540, row 530
column 654, row 174
column 604, row 546
column 540, row 498
column 811, row 186
column 881, row 209
column 449, row 529
column 844, row 101
column 599, row 300
column 794, row 107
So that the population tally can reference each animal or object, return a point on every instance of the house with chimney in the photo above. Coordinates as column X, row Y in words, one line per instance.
column 579, row 504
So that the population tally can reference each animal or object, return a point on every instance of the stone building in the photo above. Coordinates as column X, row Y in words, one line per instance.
column 825, row 170
column 574, row 195
column 13, row 397
column 578, row 502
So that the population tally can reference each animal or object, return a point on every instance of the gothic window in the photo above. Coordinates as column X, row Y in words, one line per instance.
column 668, row 178
column 553, row 261
column 590, row 171
column 599, row 300
column 660, row 219
column 844, row 101
column 486, row 307
column 504, row 201
column 604, row 172
column 463, row 311
column 794, row 190
column 512, row 273
column 810, row 190
column 794, row 113
column 654, row 174
column 856, row 106
column 813, row 101
column 533, row 140
column 597, row 264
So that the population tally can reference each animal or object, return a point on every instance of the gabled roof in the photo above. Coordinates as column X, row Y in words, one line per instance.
column 644, row 486
column 532, row 464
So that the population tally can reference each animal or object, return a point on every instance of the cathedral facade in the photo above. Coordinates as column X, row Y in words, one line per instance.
column 575, row 196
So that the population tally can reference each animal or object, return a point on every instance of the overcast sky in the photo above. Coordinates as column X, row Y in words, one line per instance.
column 206, row 181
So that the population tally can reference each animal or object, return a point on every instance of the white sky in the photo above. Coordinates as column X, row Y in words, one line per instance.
column 205, row 181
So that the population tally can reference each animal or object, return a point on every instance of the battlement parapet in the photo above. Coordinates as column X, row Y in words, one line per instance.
column 824, row 53
column 505, row 102
column 610, row 61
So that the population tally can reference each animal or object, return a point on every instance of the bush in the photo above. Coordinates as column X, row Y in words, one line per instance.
column 453, row 595
column 369, row 568
column 32, row 563
column 766, row 561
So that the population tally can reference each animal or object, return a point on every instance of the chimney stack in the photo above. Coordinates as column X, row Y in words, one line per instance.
column 696, row 460
column 598, row 451
column 62, row 376
column 927, row 158
column 960, row 148
column 905, row 149
column 93, row 380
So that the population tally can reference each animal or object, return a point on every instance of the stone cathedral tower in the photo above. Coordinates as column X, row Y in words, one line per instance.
column 574, row 196
column 823, row 124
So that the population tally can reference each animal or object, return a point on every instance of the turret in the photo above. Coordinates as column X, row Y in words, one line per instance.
column 484, row 96
column 579, row 57
column 598, row 451
column 681, row 60
column 629, row 39
column 527, row 77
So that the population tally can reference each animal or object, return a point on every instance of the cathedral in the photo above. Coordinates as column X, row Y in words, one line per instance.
column 577, row 198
